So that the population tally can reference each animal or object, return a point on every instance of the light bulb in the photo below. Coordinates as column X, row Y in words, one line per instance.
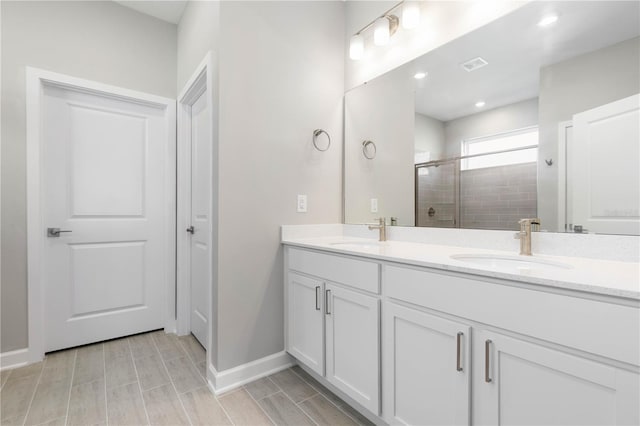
column 356, row 47
column 420, row 75
column 480, row 104
column 381, row 35
column 548, row 20
column 410, row 15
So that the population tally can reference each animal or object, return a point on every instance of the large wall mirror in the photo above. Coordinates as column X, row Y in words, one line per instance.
column 536, row 114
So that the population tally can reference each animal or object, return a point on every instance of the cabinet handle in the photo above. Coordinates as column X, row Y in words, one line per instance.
column 487, row 347
column 317, row 298
column 458, row 343
column 327, row 295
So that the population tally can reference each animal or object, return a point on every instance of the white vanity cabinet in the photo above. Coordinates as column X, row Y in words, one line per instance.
column 427, row 368
column 518, row 382
column 333, row 321
column 305, row 325
column 353, row 344
column 462, row 348
column 559, row 361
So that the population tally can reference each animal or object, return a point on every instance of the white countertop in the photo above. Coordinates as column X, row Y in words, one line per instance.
column 613, row 278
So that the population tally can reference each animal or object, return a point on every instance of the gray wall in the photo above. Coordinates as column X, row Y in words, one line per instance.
column 380, row 111
column 574, row 86
column 281, row 77
column 100, row 41
column 502, row 119
column 198, row 33
column 429, row 136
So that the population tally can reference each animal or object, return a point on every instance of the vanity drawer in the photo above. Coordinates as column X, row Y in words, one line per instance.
column 356, row 273
column 599, row 327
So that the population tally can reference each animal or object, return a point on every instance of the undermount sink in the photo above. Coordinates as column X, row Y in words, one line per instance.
column 358, row 244
column 504, row 262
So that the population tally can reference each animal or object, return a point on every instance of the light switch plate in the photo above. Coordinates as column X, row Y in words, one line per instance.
column 374, row 205
column 302, row 203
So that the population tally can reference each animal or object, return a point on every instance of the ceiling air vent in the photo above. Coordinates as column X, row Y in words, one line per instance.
column 474, row 64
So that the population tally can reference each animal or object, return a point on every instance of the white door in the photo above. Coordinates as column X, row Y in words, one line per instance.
column 517, row 383
column 427, row 369
column 305, row 323
column 200, row 226
column 353, row 345
column 605, row 168
column 104, row 168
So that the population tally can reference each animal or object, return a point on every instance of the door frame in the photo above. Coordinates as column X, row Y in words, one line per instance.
column 563, row 190
column 36, row 79
column 201, row 81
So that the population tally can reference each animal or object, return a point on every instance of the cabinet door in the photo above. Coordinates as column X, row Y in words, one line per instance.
column 353, row 345
column 517, row 382
column 304, row 321
column 426, row 368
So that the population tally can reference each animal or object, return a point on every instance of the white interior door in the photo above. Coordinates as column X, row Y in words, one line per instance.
column 104, row 168
column 604, row 161
column 200, row 227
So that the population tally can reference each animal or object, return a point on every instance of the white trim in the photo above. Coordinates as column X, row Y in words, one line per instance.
column 35, row 80
column 200, row 82
column 562, row 174
column 14, row 359
column 226, row 380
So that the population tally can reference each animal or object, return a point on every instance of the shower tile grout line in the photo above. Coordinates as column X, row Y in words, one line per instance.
column 135, row 368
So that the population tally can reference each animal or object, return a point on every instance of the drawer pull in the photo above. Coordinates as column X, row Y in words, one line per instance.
column 327, row 296
column 458, row 355
column 487, row 348
column 317, row 298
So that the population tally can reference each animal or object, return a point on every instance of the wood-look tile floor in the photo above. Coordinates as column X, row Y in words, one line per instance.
column 158, row 379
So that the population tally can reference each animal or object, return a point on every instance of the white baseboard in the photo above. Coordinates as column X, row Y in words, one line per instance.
column 223, row 381
column 14, row 359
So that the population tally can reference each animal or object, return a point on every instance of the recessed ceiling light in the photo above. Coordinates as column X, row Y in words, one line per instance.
column 480, row 104
column 548, row 20
column 420, row 75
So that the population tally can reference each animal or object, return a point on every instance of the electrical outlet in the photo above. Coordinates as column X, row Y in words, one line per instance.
column 302, row 203
column 374, row 205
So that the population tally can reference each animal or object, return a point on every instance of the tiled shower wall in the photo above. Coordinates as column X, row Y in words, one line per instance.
column 490, row 198
column 436, row 190
column 497, row 197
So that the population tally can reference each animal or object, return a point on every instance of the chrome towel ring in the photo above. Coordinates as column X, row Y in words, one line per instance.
column 369, row 150
column 316, row 134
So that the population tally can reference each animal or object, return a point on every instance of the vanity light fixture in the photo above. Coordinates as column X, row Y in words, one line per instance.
column 480, row 104
column 420, row 75
column 548, row 20
column 384, row 26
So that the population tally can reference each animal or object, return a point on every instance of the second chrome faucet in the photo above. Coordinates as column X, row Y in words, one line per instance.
column 382, row 227
column 525, row 234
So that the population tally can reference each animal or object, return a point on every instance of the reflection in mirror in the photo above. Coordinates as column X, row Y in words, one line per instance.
column 516, row 119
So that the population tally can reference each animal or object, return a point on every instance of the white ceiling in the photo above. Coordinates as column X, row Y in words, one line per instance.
column 516, row 48
column 167, row 10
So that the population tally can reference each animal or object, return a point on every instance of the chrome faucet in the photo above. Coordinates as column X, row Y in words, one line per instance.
column 525, row 234
column 382, row 226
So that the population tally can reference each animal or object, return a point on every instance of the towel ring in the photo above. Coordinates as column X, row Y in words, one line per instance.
column 317, row 133
column 365, row 150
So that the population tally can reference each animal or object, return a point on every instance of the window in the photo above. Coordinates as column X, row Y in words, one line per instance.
column 521, row 146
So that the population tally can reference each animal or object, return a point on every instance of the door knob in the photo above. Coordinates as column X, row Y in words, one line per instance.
column 54, row 232
column 191, row 230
